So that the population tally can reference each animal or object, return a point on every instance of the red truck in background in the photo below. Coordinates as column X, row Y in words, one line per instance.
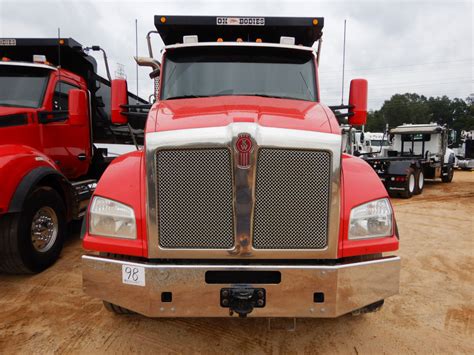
column 53, row 107
column 241, row 202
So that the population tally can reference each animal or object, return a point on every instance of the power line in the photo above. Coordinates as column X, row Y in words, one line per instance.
column 397, row 85
column 404, row 65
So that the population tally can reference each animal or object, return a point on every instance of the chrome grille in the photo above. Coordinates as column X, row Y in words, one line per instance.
column 292, row 199
column 195, row 197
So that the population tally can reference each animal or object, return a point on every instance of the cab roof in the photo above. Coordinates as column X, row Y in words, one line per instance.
column 237, row 44
column 58, row 51
column 305, row 30
column 417, row 128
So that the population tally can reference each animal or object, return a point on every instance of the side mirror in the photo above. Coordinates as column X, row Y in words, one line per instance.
column 358, row 99
column 78, row 107
column 118, row 99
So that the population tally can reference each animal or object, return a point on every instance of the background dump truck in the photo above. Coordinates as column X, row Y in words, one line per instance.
column 417, row 152
column 376, row 143
column 465, row 153
column 241, row 202
column 53, row 107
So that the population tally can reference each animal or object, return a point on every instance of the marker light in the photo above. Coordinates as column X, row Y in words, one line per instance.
column 287, row 40
column 240, row 39
column 220, row 39
column 190, row 39
column 315, row 22
column 39, row 58
column 5, row 59
column 258, row 40
column 61, row 41
column 163, row 19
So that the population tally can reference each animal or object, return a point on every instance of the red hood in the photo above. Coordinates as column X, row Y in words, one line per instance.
column 223, row 110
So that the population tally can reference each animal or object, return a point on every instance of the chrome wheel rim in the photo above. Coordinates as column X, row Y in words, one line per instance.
column 411, row 183
column 44, row 229
column 421, row 181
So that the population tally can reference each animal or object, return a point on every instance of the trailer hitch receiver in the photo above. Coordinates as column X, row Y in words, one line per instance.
column 242, row 300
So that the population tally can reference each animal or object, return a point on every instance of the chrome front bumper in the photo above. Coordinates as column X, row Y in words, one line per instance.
column 346, row 287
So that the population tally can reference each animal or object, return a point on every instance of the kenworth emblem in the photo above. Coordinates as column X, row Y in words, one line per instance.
column 244, row 147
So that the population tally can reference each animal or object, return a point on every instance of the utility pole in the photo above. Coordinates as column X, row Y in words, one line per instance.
column 136, row 50
column 343, row 64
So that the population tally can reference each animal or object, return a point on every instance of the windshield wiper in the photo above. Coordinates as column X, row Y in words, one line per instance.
column 185, row 97
column 261, row 95
column 307, row 87
column 273, row 96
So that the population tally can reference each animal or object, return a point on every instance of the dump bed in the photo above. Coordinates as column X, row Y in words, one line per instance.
column 305, row 30
column 64, row 52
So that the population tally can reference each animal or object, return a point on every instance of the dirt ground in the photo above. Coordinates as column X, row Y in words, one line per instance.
column 433, row 313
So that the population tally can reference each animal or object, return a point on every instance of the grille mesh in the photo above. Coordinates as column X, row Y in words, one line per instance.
column 195, row 199
column 292, row 199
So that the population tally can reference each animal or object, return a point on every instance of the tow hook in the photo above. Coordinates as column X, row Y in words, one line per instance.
column 242, row 300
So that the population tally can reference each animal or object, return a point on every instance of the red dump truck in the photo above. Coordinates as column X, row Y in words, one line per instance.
column 241, row 202
column 53, row 108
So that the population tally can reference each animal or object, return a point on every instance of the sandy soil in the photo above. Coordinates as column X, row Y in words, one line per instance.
column 433, row 313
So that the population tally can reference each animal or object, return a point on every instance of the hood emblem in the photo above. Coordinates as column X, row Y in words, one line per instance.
column 244, row 146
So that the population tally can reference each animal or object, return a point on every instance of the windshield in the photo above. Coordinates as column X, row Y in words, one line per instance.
column 223, row 71
column 22, row 86
column 378, row 142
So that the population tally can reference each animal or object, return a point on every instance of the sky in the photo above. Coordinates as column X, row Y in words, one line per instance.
column 423, row 47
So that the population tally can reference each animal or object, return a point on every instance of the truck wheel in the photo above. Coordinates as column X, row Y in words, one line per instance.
column 410, row 185
column 374, row 307
column 420, row 181
column 31, row 241
column 116, row 309
column 449, row 176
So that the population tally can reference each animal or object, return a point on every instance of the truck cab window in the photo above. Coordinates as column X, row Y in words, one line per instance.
column 269, row 72
column 22, row 86
column 61, row 95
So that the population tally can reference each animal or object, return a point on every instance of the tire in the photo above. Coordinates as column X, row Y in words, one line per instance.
column 449, row 176
column 116, row 309
column 410, row 185
column 32, row 241
column 374, row 307
column 419, row 181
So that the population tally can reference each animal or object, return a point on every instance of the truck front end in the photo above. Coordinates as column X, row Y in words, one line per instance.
column 242, row 202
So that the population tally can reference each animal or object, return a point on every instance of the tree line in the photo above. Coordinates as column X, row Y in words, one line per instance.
column 457, row 114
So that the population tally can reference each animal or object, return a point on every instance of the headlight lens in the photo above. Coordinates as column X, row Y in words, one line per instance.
column 371, row 220
column 111, row 219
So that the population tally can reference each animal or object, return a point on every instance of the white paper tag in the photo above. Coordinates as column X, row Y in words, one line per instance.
column 133, row 275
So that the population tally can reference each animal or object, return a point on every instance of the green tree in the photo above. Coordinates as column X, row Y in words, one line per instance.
column 375, row 121
column 413, row 108
column 406, row 108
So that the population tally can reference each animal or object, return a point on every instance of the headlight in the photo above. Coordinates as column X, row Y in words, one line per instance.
column 371, row 220
column 111, row 219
